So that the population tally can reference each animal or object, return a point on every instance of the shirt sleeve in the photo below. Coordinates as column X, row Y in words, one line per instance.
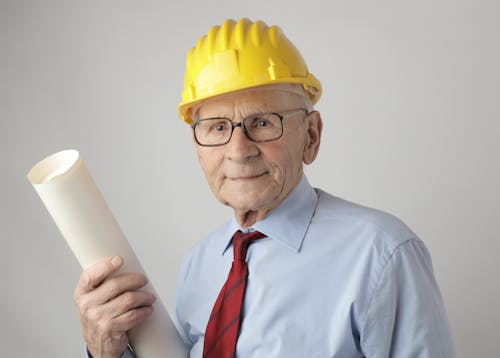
column 406, row 315
column 127, row 354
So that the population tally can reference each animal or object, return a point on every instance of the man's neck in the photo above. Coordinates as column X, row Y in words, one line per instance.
column 247, row 219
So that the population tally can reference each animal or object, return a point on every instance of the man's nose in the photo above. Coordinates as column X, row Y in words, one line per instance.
column 240, row 147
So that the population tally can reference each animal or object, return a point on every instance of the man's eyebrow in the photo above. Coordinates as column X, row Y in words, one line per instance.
column 215, row 115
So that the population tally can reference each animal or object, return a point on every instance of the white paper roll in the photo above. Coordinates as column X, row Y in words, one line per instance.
column 78, row 208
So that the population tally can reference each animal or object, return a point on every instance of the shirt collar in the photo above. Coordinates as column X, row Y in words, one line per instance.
column 288, row 223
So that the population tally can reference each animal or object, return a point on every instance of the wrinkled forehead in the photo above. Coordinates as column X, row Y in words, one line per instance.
column 268, row 98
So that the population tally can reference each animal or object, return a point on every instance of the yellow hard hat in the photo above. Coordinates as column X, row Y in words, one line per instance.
column 239, row 55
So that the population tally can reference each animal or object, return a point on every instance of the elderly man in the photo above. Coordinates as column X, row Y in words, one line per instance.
column 296, row 272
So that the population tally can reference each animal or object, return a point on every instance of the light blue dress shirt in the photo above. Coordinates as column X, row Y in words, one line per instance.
column 332, row 279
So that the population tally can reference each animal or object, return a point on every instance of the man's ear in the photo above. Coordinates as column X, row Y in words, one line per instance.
column 314, row 126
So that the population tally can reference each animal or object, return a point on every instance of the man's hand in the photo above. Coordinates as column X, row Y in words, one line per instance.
column 110, row 306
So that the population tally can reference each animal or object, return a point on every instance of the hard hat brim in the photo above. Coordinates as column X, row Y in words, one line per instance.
column 311, row 86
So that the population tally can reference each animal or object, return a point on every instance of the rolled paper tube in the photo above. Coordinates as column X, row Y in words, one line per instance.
column 78, row 208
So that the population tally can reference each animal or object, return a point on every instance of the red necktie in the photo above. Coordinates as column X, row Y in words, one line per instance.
column 224, row 323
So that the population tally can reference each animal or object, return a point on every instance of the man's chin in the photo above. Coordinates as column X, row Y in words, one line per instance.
column 241, row 187
column 249, row 195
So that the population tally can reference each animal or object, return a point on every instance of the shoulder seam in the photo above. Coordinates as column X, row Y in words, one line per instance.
column 384, row 267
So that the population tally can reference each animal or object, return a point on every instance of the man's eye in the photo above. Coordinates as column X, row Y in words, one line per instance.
column 263, row 123
column 218, row 127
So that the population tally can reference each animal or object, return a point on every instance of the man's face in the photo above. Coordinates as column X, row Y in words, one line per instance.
column 251, row 176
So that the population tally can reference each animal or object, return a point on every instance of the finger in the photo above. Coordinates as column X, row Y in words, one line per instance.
column 94, row 275
column 115, row 286
column 130, row 319
column 128, row 301
column 100, row 317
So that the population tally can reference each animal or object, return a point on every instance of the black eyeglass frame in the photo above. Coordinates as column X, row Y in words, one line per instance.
column 281, row 116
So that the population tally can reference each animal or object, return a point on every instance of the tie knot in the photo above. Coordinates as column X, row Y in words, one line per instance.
column 241, row 242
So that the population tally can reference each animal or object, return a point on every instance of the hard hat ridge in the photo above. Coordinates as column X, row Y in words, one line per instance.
column 232, row 33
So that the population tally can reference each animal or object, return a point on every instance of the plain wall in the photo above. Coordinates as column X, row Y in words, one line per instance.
column 411, row 114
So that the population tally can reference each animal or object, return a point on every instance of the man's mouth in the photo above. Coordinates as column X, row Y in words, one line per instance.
column 246, row 177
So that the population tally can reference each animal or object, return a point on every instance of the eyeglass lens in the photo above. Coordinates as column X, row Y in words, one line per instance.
column 259, row 128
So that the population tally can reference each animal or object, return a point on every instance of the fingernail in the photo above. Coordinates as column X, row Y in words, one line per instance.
column 116, row 261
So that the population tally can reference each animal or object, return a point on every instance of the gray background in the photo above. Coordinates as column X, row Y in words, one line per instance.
column 411, row 115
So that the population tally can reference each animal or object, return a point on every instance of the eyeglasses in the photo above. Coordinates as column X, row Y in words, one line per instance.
column 259, row 127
